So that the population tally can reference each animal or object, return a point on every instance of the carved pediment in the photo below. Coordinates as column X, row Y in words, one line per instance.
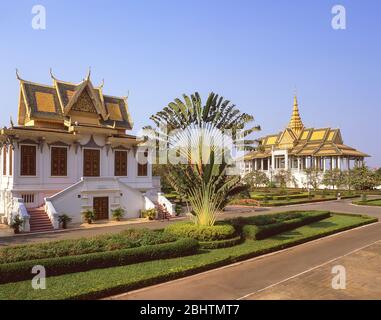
column 84, row 103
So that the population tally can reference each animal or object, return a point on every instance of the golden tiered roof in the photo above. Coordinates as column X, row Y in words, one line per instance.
column 301, row 141
column 65, row 103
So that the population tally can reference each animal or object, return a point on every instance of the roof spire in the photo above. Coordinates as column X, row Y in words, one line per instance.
column 296, row 123
column 51, row 74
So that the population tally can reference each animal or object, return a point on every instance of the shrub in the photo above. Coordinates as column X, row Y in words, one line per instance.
column 178, row 209
column 202, row 233
column 69, row 264
column 118, row 214
column 245, row 202
column 268, row 230
column 149, row 213
column 127, row 239
column 221, row 243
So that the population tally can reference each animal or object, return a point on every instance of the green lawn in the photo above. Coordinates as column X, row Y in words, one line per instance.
column 374, row 202
column 104, row 282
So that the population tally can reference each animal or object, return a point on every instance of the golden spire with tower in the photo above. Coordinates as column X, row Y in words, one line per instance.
column 296, row 124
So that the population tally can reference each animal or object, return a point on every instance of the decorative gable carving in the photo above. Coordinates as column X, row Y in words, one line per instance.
column 287, row 139
column 84, row 103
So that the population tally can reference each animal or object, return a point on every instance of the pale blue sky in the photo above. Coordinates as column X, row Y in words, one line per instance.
column 252, row 52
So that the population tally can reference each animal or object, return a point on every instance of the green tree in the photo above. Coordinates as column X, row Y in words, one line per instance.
column 333, row 178
column 363, row 178
column 313, row 178
column 283, row 178
column 256, row 179
column 202, row 178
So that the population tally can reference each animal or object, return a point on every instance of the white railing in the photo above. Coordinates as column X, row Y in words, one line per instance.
column 62, row 192
column 52, row 214
column 148, row 204
column 19, row 209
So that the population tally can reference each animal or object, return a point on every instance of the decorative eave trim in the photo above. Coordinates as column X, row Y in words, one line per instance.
column 91, row 144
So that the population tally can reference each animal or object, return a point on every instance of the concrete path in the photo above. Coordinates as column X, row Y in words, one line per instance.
column 247, row 279
column 338, row 206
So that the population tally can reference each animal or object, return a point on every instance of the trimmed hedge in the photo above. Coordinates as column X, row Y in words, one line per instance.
column 265, row 219
column 130, row 238
column 280, row 197
column 220, row 243
column 219, row 231
column 19, row 271
column 259, row 232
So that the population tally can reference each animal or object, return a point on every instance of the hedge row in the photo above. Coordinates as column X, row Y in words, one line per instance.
column 281, row 197
column 221, row 243
column 329, row 198
column 219, row 231
column 126, row 239
column 19, row 271
column 264, row 231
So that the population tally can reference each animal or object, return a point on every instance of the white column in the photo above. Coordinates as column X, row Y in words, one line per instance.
column 255, row 165
column 339, row 162
column 262, row 164
column 286, row 161
column 272, row 161
column 324, row 166
column 298, row 163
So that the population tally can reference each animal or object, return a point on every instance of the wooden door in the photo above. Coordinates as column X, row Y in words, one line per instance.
column 91, row 163
column 100, row 207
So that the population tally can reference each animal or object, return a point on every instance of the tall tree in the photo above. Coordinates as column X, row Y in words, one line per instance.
column 202, row 176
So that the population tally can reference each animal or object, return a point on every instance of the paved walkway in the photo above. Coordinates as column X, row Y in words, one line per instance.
column 362, row 272
column 247, row 279
column 337, row 206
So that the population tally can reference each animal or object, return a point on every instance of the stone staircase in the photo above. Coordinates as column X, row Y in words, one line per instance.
column 39, row 220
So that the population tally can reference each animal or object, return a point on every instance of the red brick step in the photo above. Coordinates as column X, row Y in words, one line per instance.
column 39, row 220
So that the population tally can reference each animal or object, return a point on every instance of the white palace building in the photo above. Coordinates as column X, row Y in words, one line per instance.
column 70, row 152
column 298, row 148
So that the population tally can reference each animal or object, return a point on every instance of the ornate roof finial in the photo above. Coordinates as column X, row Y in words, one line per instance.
column 18, row 75
column 296, row 123
column 88, row 74
column 102, row 84
column 51, row 74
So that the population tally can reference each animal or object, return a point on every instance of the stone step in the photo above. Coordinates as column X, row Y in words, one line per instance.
column 39, row 220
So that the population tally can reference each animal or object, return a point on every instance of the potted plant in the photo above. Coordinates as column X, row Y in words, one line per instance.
column 64, row 219
column 118, row 214
column 89, row 216
column 16, row 223
column 178, row 209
